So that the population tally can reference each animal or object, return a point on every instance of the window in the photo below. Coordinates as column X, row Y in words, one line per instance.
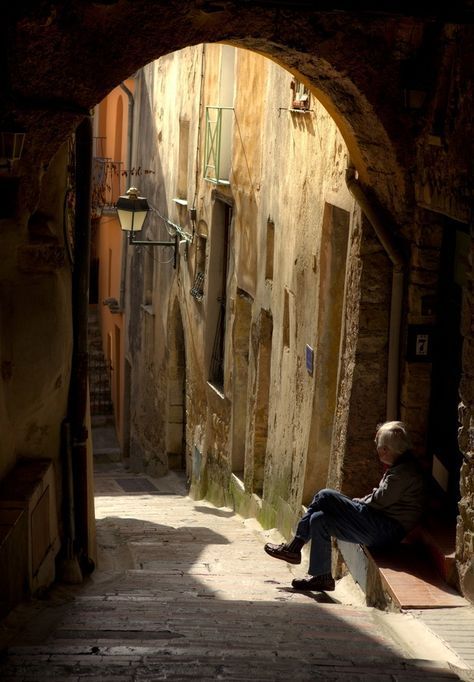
column 197, row 290
column 219, row 123
column 300, row 96
column 218, row 145
column 115, row 174
column 109, row 273
column 286, row 319
column 182, row 188
column 270, row 249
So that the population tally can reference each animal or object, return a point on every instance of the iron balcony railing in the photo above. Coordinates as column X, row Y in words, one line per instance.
column 108, row 183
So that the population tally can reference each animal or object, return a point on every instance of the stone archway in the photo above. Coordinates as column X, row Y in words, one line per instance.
column 46, row 89
column 335, row 55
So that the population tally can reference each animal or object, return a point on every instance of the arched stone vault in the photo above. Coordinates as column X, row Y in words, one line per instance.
column 59, row 58
column 62, row 58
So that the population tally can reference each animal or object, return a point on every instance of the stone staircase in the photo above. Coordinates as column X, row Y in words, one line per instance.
column 99, row 369
column 104, row 437
column 105, row 444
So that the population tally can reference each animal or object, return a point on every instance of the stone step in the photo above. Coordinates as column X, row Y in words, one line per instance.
column 98, row 385
column 102, row 421
column 439, row 537
column 100, row 382
column 100, row 397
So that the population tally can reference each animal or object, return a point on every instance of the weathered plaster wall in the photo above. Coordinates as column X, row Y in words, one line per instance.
column 361, row 402
column 163, row 100
column 287, row 169
column 303, row 170
column 35, row 362
column 36, row 325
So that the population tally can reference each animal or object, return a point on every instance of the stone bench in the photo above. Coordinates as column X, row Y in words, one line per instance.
column 406, row 576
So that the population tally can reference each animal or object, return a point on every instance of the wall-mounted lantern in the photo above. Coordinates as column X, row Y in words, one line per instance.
column 132, row 211
column 11, row 148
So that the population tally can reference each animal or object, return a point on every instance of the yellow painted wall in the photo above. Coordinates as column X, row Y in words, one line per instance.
column 112, row 124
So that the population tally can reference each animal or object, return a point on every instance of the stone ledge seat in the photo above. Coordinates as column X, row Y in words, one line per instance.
column 417, row 573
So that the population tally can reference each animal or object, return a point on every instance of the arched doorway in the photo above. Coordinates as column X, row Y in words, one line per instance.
column 446, row 356
column 176, row 392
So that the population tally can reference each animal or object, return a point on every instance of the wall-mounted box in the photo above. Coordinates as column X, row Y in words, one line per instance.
column 420, row 343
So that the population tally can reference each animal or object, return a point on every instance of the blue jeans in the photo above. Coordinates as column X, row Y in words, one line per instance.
column 333, row 514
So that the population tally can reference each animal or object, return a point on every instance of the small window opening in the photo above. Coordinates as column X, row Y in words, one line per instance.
column 270, row 249
column 197, row 290
column 182, row 188
column 301, row 98
column 286, row 320
column 109, row 273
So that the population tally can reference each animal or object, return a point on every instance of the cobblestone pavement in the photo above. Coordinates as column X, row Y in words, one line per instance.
column 184, row 591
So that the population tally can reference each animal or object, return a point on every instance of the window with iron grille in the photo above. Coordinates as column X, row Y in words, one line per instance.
column 197, row 290
column 219, row 122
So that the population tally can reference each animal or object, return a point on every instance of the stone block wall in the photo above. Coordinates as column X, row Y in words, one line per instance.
column 362, row 396
column 425, row 241
column 465, row 525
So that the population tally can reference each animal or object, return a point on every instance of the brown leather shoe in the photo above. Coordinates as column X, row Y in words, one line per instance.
column 318, row 583
column 282, row 552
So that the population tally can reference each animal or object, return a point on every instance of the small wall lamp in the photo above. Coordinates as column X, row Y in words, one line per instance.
column 132, row 211
column 11, row 148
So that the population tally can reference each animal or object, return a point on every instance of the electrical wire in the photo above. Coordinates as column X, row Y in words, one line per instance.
column 175, row 228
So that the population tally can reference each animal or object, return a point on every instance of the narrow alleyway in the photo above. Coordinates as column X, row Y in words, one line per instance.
column 184, row 590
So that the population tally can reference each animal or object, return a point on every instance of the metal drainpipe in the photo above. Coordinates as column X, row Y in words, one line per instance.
column 123, row 267
column 80, row 310
column 392, row 249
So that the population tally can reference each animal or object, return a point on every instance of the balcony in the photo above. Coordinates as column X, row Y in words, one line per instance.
column 108, row 183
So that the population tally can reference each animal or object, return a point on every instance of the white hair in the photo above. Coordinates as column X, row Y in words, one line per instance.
column 394, row 436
